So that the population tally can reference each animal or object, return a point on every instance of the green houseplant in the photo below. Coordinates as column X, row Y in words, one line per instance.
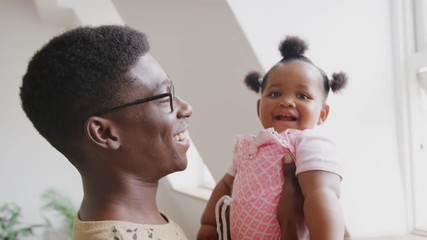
column 11, row 227
column 55, row 206
column 60, row 206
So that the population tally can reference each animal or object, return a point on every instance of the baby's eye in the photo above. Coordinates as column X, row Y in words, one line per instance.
column 274, row 94
column 303, row 96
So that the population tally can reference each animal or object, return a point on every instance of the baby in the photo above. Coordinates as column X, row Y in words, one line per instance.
column 291, row 105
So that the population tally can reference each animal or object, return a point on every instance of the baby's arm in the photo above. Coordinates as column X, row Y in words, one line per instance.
column 208, row 229
column 322, row 210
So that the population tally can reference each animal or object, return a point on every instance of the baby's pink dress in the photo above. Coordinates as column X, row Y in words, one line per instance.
column 258, row 176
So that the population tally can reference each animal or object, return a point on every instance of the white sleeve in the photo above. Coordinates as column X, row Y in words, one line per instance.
column 314, row 151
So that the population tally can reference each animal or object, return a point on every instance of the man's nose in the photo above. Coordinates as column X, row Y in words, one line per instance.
column 185, row 110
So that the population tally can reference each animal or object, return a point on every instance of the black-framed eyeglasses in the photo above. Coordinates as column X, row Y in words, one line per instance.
column 170, row 94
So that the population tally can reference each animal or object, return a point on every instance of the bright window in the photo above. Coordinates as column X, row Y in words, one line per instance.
column 208, row 180
column 412, row 88
column 196, row 180
column 415, row 44
column 420, row 169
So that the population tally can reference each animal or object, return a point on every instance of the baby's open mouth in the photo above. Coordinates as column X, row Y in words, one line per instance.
column 286, row 118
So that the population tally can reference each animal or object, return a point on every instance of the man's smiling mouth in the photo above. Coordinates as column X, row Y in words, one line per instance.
column 181, row 136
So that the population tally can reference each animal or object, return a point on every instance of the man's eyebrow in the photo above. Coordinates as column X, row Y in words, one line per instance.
column 162, row 83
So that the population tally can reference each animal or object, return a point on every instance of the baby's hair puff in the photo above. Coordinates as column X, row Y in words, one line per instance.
column 339, row 81
column 253, row 81
column 293, row 48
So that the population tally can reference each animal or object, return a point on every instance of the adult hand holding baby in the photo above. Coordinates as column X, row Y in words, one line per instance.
column 290, row 209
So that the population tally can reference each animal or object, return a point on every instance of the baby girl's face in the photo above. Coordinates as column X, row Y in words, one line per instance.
column 293, row 97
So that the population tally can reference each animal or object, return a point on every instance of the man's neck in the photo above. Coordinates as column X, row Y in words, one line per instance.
column 126, row 199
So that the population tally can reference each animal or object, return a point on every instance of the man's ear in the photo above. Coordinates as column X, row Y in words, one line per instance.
column 323, row 114
column 102, row 132
column 257, row 106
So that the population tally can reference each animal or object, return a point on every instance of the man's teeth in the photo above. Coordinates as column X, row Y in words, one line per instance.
column 181, row 136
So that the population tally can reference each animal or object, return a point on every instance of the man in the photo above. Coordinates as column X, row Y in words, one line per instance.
column 99, row 97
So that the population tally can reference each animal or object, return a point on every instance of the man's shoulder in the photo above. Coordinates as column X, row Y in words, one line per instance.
column 126, row 230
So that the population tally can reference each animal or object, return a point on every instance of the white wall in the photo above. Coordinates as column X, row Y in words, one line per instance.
column 28, row 164
column 202, row 46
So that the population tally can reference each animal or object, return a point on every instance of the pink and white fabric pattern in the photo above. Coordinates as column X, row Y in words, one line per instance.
column 258, row 170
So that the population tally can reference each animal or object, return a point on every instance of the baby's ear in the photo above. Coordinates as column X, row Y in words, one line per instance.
column 102, row 132
column 257, row 106
column 323, row 114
